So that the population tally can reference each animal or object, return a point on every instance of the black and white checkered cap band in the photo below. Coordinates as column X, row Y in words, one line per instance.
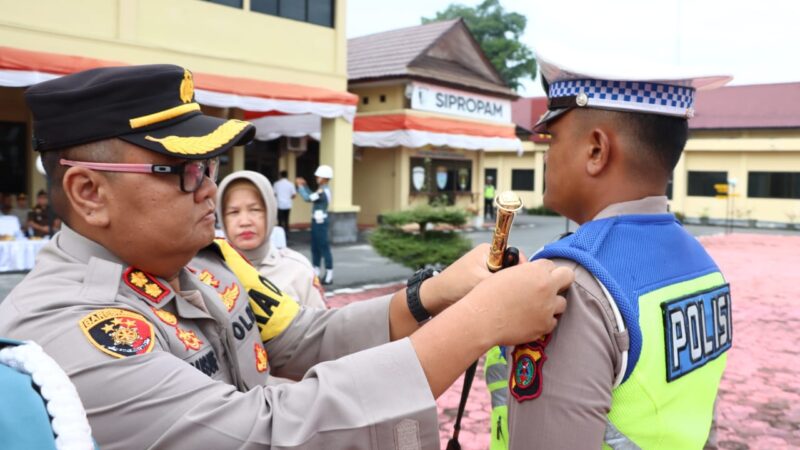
column 640, row 96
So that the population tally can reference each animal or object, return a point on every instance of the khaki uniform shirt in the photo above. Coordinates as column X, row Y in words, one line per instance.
column 584, row 358
column 293, row 273
column 159, row 369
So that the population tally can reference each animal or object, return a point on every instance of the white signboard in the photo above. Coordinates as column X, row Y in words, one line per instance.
column 426, row 97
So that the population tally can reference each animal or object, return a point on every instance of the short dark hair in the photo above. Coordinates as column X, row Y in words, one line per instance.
column 98, row 151
column 658, row 139
column 284, row 174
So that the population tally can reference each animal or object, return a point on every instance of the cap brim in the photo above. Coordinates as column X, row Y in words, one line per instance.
column 549, row 116
column 198, row 137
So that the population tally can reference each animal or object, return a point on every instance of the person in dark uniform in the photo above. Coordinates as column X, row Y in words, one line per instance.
column 42, row 221
column 170, row 335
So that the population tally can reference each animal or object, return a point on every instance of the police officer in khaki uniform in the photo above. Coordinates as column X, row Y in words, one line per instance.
column 166, row 357
column 636, row 359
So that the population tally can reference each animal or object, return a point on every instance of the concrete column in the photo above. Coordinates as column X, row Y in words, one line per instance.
column 336, row 150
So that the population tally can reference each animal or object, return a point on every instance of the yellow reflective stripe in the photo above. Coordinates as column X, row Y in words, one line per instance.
column 497, row 385
column 273, row 308
column 143, row 121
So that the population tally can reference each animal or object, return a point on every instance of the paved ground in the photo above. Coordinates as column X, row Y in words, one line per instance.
column 760, row 393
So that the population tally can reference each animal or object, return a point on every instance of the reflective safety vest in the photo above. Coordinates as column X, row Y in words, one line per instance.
column 676, row 306
column 495, row 370
column 488, row 191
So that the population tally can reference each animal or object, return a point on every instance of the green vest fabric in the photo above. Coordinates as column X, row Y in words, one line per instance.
column 646, row 406
column 495, row 372
column 488, row 191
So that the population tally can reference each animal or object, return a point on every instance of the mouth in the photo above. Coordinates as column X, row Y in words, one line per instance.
column 247, row 235
column 209, row 217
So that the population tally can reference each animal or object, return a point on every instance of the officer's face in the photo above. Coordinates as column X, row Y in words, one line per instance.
column 563, row 168
column 245, row 217
column 152, row 218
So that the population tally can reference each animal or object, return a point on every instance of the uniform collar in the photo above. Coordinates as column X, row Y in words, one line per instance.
column 647, row 205
column 81, row 247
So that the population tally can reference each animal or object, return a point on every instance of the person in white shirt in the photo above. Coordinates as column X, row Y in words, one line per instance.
column 285, row 193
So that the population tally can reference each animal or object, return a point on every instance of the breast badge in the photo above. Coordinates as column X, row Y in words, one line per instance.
column 118, row 332
column 525, row 382
column 261, row 357
column 208, row 278
column 229, row 296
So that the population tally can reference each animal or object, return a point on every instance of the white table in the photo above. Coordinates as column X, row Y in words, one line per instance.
column 20, row 254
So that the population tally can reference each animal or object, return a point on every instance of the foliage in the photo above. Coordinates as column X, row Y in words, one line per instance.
column 541, row 210
column 499, row 34
column 417, row 250
column 680, row 216
column 426, row 247
column 423, row 215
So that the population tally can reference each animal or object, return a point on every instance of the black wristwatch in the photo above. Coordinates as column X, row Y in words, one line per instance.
column 412, row 294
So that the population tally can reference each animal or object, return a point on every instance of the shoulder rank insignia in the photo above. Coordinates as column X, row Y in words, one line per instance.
column 145, row 284
column 261, row 357
column 118, row 332
column 525, row 382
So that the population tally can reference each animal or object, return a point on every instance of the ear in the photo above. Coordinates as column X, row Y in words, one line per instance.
column 87, row 193
column 599, row 151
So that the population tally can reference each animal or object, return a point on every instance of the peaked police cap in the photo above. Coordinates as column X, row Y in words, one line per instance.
column 151, row 106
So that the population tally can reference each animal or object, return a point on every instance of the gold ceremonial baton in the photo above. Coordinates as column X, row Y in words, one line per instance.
column 508, row 203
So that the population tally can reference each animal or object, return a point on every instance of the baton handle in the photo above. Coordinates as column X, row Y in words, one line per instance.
column 508, row 203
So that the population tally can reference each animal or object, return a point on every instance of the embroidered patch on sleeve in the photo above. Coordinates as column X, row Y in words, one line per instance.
column 145, row 284
column 262, row 362
column 118, row 332
column 526, row 381
column 698, row 328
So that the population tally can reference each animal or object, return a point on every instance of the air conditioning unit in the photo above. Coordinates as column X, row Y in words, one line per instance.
column 296, row 144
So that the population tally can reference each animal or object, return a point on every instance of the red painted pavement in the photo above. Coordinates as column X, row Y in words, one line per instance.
column 760, row 393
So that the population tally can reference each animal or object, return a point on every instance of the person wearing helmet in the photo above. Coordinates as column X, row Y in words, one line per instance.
column 320, row 247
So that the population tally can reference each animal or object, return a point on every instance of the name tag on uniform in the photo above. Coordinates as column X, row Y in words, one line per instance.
column 697, row 329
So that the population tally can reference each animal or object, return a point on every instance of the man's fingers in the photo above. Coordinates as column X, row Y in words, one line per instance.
column 562, row 277
column 560, row 306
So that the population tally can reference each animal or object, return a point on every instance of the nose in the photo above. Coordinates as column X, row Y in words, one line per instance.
column 207, row 190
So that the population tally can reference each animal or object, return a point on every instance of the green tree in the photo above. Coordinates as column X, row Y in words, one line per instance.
column 498, row 32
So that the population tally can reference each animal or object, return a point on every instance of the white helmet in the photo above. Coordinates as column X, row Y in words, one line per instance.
column 324, row 172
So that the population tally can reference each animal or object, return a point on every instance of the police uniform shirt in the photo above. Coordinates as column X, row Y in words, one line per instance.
column 293, row 273
column 584, row 356
column 159, row 369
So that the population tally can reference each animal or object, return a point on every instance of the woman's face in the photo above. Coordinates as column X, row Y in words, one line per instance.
column 245, row 217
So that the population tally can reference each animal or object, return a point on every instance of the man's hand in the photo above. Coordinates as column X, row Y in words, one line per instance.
column 519, row 304
column 300, row 181
column 514, row 306
column 457, row 280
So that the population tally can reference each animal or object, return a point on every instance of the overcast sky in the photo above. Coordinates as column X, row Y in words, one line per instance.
column 755, row 41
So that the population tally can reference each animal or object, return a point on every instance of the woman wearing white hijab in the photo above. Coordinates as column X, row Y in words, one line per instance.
column 247, row 208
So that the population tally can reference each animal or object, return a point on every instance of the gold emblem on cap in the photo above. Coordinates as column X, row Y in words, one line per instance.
column 582, row 99
column 187, row 87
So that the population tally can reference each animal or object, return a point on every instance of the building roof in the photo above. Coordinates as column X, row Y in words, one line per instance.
column 733, row 107
column 526, row 111
column 750, row 106
column 438, row 51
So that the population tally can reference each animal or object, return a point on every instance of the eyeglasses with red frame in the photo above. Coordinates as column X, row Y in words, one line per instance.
column 192, row 173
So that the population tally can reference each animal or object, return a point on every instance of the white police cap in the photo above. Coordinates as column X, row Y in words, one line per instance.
column 570, row 83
